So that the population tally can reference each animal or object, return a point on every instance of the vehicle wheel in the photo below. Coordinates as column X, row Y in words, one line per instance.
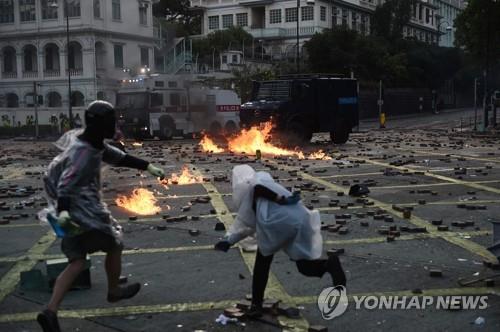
column 215, row 129
column 167, row 128
column 298, row 134
column 340, row 135
column 230, row 128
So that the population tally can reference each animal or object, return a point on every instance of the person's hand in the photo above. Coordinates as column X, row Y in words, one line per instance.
column 291, row 200
column 222, row 246
column 64, row 219
column 156, row 171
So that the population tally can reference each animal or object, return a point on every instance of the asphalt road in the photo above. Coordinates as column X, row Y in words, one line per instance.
column 428, row 163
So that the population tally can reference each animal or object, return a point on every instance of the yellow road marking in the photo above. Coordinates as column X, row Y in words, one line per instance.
column 409, row 186
column 423, row 152
column 12, row 277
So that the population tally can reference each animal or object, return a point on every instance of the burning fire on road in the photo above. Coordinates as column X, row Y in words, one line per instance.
column 185, row 177
column 141, row 202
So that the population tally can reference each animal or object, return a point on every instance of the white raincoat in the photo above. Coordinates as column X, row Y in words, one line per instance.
column 293, row 228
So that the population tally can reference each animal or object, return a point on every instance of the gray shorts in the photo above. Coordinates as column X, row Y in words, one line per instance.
column 77, row 247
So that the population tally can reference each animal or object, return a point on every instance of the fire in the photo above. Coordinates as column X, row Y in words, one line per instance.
column 255, row 138
column 319, row 155
column 137, row 144
column 209, row 146
column 184, row 178
column 142, row 202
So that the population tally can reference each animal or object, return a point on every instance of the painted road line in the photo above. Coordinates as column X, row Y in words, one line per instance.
column 448, row 155
column 442, row 184
column 12, row 277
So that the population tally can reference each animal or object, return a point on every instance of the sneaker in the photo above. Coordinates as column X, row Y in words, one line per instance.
column 334, row 267
column 126, row 292
column 48, row 321
column 254, row 312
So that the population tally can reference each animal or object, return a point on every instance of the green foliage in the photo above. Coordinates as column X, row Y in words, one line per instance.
column 478, row 29
column 402, row 63
column 178, row 13
column 243, row 80
column 218, row 41
column 389, row 19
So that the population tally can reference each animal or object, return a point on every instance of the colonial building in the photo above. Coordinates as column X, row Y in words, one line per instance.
column 448, row 12
column 274, row 22
column 109, row 40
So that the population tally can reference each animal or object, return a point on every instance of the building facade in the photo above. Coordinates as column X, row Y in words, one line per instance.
column 448, row 12
column 109, row 40
column 274, row 22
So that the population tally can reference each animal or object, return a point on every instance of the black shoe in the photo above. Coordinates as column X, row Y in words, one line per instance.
column 124, row 293
column 334, row 267
column 48, row 321
column 254, row 312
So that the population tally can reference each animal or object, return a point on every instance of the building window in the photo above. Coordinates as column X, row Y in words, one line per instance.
column 143, row 14
column 54, row 99
column 345, row 16
column 335, row 14
column 234, row 58
column 290, row 14
column 322, row 13
column 307, row 13
column 242, row 19
column 97, row 8
column 77, row 99
column 274, row 16
column 144, row 56
column 9, row 60
column 27, row 10
column 116, row 11
column 354, row 21
column 213, row 22
column 6, row 11
column 227, row 21
column 48, row 12
column 224, row 59
column 12, row 100
column 118, row 52
column 73, row 8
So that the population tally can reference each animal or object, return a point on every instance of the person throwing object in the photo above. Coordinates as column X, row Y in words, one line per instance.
column 281, row 222
column 73, row 188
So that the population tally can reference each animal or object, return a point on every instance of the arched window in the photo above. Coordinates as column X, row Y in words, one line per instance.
column 101, row 95
column 54, row 99
column 77, row 99
column 30, row 58
column 51, row 58
column 12, row 100
column 9, row 60
column 75, row 56
column 29, row 100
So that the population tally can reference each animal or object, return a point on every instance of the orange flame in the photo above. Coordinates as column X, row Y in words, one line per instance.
column 255, row 138
column 209, row 146
column 137, row 144
column 142, row 202
column 319, row 155
column 184, row 178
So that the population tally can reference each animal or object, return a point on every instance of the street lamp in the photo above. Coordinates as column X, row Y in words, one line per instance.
column 54, row 4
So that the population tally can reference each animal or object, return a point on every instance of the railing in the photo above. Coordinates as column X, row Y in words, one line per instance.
column 178, row 57
column 75, row 72
column 304, row 31
column 9, row 74
column 52, row 73
column 267, row 32
column 30, row 74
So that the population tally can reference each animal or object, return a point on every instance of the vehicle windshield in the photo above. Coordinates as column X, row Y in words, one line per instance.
column 132, row 100
column 273, row 90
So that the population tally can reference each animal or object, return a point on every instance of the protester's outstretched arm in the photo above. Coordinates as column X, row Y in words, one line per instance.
column 119, row 158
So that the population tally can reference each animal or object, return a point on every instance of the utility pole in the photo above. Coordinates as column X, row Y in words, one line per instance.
column 381, row 114
column 35, row 96
column 475, row 104
column 298, row 49
column 71, row 124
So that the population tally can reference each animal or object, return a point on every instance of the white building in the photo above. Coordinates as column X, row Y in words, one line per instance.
column 109, row 40
column 448, row 12
column 274, row 22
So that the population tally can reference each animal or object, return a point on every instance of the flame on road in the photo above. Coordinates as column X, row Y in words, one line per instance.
column 319, row 155
column 186, row 177
column 208, row 145
column 142, row 202
column 255, row 138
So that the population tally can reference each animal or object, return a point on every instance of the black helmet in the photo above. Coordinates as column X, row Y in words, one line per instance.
column 100, row 118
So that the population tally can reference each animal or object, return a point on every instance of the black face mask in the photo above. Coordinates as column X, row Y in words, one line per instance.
column 108, row 126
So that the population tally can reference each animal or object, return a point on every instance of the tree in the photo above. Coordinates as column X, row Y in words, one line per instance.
column 243, row 80
column 478, row 28
column 179, row 13
column 389, row 19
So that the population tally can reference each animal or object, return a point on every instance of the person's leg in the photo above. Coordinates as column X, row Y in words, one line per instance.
column 113, row 266
column 318, row 267
column 260, row 277
column 64, row 281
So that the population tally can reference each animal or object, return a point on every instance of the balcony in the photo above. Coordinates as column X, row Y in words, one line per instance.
column 75, row 72
column 51, row 73
column 30, row 74
column 9, row 74
column 266, row 32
